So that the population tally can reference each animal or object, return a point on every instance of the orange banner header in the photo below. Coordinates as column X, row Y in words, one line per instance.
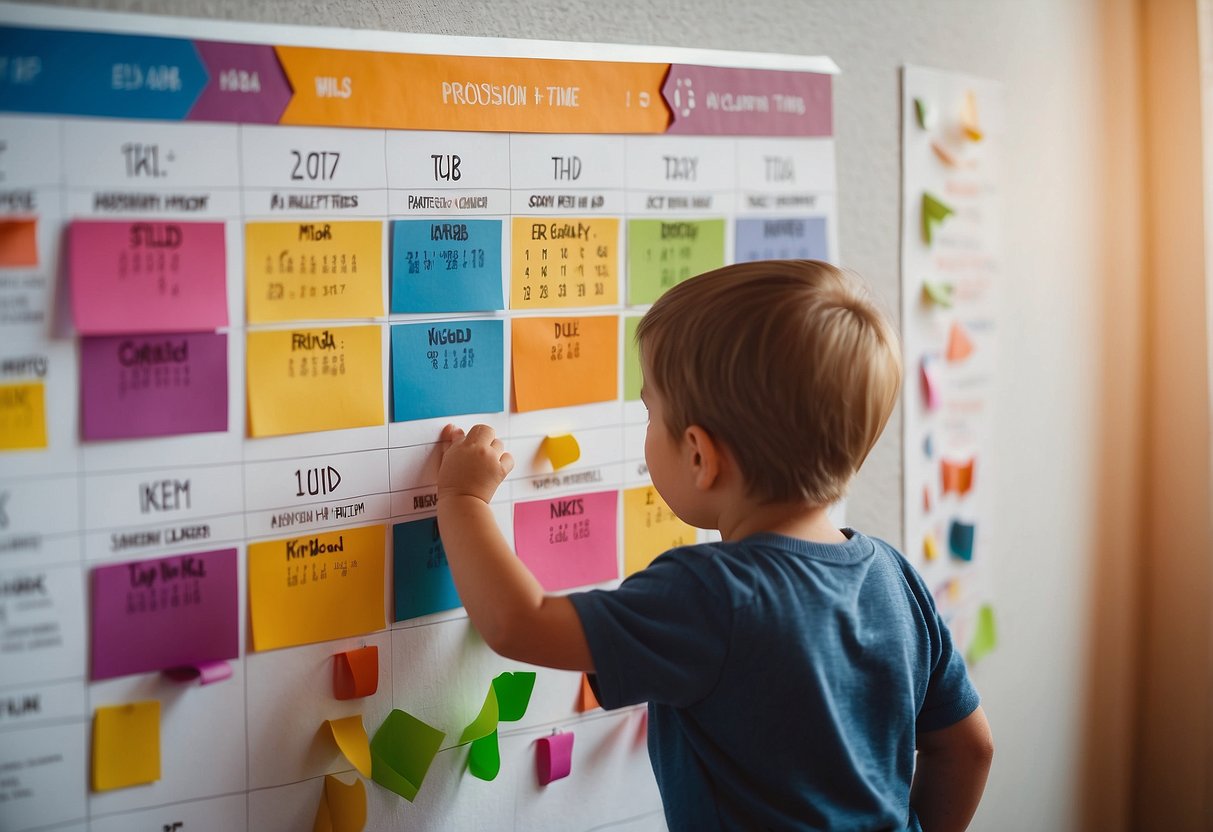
column 334, row 87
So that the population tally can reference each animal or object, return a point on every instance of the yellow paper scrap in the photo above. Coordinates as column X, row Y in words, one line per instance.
column 22, row 416
column 342, row 807
column 126, row 745
column 649, row 528
column 351, row 738
column 968, row 118
column 306, row 271
column 561, row 450
column 316, row 587
column 930, row 548
column 304, row 380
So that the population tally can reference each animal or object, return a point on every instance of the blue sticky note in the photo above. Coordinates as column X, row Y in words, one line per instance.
column 795, row 238
column 960, row 539
column 100, row 74
column 446, row 266
column 422, row 580
column 447, row 369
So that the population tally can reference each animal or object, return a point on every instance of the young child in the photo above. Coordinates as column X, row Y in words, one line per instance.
column 792, row 669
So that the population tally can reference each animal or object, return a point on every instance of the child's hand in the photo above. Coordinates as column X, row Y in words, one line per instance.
column 474, row 464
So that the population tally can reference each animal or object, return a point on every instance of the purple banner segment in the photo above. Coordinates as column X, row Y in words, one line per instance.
column 707, row 101
column 246, row 84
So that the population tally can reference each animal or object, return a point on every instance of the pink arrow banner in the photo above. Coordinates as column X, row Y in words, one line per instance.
column 707, row 100
column 246, row 84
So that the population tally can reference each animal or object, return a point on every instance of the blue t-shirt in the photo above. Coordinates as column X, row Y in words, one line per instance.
column 785, row 679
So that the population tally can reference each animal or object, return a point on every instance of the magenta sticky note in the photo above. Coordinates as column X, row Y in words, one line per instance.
column 554, row 757
column 147, row 276
column 207, row 673
column 166, row 613
column 568, row 541
column 134, row 386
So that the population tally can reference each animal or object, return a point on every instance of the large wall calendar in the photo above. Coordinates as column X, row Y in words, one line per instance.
column 246, row 276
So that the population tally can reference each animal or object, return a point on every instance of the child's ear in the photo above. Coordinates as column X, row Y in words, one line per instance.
column 703, row 454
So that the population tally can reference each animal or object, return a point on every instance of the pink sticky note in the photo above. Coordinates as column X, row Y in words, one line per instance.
column 568, row 541
column 132, row 386
column 207, row 673
column 930, row 384
column 147, row 276
column 165, row 613
column 554, row 757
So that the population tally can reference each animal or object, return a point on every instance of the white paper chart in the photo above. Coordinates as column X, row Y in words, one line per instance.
column 246, row 276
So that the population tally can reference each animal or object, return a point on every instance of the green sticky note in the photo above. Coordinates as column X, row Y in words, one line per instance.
column 938, row 293
column 920, row 112
column 485, row 722
column 484, row 759
column 986, row 637
column 632, row 375
column 401, row 753
column 933, row 213
column 513, row 694
column 662, row 253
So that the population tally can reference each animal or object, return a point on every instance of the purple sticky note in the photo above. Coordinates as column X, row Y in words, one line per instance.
column 245, row 84
column 133, row 386
column 554, row 757
column 162, row 276
column 781, row 238
column 719, row 101
column 179, row 611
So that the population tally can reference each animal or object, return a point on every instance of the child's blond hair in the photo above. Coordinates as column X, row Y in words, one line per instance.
column 789, row 363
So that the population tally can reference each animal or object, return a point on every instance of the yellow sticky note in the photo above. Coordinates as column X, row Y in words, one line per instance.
column 561, row 450
column 316, row 587
column 564, row 361
column 351, row 738
column 342, row 807
column 126, row 745
column 649, row 528
column 303, row 380
column 306, row 271
column 558, row 262
column 22, row 416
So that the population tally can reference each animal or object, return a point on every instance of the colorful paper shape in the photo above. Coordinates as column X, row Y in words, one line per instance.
column 506, row 701
column 945, row 155
column 164, row 613
column 356, row 672
column 307, row 380
column 245, row 84
column 560, row 362
column 313, row 270
column 559, row 262
column 401, row 753
column 316, row 587
column 960, row 540
column 663, row 253
column 650, row 527
column 447, row 369
column 18, row 243
column 342, row 807
column 350, row 736
column 938, row 293
column 968, row 118
column 207, row 673
column 985, row 637
column 142, row 277
column 421, row 577
column 446, row 265
column 633, row 375
column 136, row 386
column 126, row 745
column 23, row 416
column 586, row 698
column 781, row 238
column 957, row 476
column 554, row 757
column 930, row 548
column 934, row 212
column 928, row 376
column 960, row 345
column 560, row 450
column 928, row 447
column 922, row 114
column 684, row 82
column 926, row 499
column 568, row 541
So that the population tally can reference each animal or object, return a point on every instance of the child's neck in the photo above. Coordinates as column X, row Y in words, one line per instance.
column 797, row 520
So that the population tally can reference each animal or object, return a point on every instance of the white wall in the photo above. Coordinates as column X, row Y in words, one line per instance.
column 1051, row 57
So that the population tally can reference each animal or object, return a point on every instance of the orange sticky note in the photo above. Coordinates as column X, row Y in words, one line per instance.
column 559, row 362
column 18, row 243
column 342, row 807
column 960, row 346
column 356, row 673
column 957, row 476
column 650, row 527
column 561, row 450
column 586, row 700
column 351, row 739
column 126, row 745
column 560, row 262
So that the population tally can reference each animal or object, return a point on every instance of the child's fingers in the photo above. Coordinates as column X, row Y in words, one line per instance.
column 507, row 463
column 496, row 445
column 451, row 433
column 481, row 434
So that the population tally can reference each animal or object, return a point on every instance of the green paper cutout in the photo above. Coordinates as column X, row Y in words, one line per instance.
column 632, row 375
column 663, row 253
column 485, row 722
column 938, row 293
column 484, row 759
column 514, row 694
column 920, row 112
column 401, row 753
column 507, row 700
column 933, row 213
column 986, row 637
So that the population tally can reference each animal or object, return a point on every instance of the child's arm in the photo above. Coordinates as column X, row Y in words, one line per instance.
column 951, row 773
column 504, row 601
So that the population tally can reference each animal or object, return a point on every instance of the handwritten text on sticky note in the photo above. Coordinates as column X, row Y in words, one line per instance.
column 316, row 588
column 446, row 265
column 569, row 261
column 447, row 369
column 662, row 253
column 568, row 541
column 564, row 361
column 649, row 528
